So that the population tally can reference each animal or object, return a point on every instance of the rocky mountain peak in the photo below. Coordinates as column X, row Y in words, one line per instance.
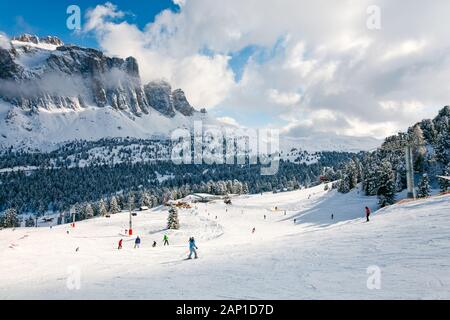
column 36, row 40
column 73, row 77
column 162, row 98
column 181, row 104
column 159, row 96
column 52, row 40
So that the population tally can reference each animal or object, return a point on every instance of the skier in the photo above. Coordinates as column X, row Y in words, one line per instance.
column 154, row 244
column 265, row 217
column 332, row 217
column 254, row 230
column 367, row 214
column 192, row 248
column 120, row 244
column 295, row 221
column 137, row 242
column 166, row 240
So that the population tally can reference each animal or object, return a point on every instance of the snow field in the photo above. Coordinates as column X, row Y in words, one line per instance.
column 314, row 258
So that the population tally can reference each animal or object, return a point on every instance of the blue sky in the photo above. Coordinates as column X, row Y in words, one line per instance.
column 47, row 17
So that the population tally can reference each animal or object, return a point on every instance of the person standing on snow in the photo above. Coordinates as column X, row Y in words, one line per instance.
column 154, row 244
column 120, row 244
column 192, row 248
column 254, row 230
column 137, row 242
column 367, row 214
column 166, row 240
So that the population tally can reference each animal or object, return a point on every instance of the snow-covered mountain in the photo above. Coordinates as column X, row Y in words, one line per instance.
column 329, row 142
column 51, row 93
column 46, row 74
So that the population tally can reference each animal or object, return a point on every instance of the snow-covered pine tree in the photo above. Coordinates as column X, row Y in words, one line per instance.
column 145, row 200
column 221, row 188
column 79, row 212
column 114, row 206
column 102, row 208
column 41, row 209
column 442, row 148
column 229, row 186
column 444, row 184
column 29, row 222
column 154, row 201
column 307, row 180
column 424, row 187
column 370, row 184
column 10, row 219
column 400, row 177
column 353, row 173
column 343, row 185
column 245, row 189
column 237, row 187
column 386, row 183
column 167, row 196
column 173, row 223
column 89, row 211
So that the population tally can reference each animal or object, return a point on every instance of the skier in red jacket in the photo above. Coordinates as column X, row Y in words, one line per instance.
column 120, row 244
column 367, row 214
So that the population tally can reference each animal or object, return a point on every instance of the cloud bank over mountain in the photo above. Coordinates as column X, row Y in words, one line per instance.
column 314, row 65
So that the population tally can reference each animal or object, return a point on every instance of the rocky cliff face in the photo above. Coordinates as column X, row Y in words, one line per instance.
column 36, row 40
column 43, row 73
column 166, row 101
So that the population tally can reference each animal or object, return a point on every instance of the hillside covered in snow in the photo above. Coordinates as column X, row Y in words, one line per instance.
column 296, row 252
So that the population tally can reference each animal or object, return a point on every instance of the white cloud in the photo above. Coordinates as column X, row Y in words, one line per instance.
column 284, row 98
column 179, row 2
column 96, row 18
column 404, row 49
column 319, row 59
column 228, row 121
column 206, row 79
column 4, row 41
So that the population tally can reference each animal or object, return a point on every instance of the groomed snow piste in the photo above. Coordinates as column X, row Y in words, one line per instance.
column 314, row 258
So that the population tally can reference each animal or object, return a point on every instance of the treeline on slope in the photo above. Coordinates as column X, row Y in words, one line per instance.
column 57, row 190
column 383, row 172
column 72, row 152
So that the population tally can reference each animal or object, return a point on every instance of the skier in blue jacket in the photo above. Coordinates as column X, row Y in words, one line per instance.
column 137, row 242
column 192, row 248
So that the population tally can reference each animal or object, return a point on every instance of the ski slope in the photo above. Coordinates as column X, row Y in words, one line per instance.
column 314, row 258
